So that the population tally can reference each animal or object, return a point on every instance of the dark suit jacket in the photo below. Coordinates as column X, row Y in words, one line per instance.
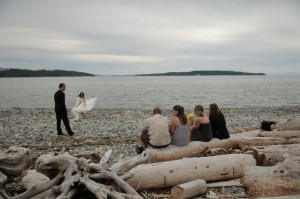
column 59, row 99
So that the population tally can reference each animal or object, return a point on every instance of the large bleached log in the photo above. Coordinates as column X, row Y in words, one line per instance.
column 279, row 180
column 245, row 134
column 189, row 189
column 14, row 160
column 289, row 124
column 193, row 149
column 235, row 182
column 293, row 140
column 280, row 134
column 259, row 141
column 271, row 155
column 170, row 173
column 240, row 140
column 282, row 197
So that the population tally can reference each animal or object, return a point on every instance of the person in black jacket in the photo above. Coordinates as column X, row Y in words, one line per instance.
column 218, row 123
column 61, row 110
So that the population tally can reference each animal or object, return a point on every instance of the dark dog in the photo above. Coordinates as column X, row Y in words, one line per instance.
column 266, row 125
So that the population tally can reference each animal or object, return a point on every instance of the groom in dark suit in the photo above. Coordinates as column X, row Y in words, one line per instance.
column 61, row 110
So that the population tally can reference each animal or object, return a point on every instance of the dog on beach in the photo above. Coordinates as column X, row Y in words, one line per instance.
column 266, row 125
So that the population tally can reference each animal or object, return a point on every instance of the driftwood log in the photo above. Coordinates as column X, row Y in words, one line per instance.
column 170, row 173
column 189, row 189
column 260, row 141
column 271, row 155
column 14, row 160
column 193, row 149
column 279, row 180
column 70, row 177
column 282, row 197
column 289, row 124
column 241, row 140
column 280, row 134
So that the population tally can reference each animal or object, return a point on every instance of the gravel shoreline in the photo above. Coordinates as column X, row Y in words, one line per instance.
column 105, row 129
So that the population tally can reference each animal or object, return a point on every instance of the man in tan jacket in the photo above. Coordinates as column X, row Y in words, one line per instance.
column 155, row 132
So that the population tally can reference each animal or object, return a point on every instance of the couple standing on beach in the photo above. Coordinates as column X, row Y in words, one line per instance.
column 82, row 106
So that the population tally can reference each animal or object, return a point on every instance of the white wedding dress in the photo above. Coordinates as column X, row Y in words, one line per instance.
column 83, row 105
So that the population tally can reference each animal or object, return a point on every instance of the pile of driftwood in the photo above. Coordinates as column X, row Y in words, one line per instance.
column 272, row 170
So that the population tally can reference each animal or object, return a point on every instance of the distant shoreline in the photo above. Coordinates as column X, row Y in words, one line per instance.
column 41, row 73
column 202, row 73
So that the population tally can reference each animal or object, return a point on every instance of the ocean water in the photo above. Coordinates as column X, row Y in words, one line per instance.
column 148, row 92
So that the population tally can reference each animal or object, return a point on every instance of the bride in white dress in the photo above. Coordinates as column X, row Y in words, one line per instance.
column 83, row 105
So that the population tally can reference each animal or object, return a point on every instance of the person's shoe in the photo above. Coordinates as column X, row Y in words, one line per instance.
column 75, row 135
column 139, row 149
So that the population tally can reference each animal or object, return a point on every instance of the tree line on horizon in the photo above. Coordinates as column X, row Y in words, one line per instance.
column 40, row 73
column 201, row 73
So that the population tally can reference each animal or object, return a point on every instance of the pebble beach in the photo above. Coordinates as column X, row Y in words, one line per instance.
column 104, row 129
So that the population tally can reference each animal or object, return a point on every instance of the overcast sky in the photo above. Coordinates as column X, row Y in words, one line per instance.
column 135, row 37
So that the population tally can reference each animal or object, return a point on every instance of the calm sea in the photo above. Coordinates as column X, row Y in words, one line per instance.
column 149, row 92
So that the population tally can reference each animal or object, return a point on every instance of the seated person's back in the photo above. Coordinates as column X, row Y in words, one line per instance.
column 154, row 132
column 201, row 131
column 179, row 128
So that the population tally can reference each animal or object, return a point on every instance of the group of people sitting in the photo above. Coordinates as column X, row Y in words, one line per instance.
column 157, row 132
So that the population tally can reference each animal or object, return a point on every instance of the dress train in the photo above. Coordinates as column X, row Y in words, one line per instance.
column 83, row 106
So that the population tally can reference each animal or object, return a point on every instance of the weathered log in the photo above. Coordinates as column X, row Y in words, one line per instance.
column 189, row 189
column 224, row 183
column 282, row 197
column 170, row 173
column 123, row 166
column 259, row 141
column 193, row 149
column 236, row 136
column 279, row 180
column 14, row 160
column 39, row 188
column 3, row 179
column 78, row 172
column 289, row 124
column 293, row 140
column 240, row 140
column 32, row 178
column 280, row 134
column 271, row 155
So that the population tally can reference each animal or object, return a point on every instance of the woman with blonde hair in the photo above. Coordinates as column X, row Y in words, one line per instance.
column 201, row 130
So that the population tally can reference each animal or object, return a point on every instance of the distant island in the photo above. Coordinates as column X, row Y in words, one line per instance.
column 201, row 73
column 40, row 73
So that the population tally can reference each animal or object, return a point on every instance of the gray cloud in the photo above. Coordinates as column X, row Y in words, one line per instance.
column 130, row 37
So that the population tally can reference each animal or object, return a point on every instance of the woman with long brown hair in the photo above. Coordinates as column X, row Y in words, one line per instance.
column 218, row 123
column 179, row 128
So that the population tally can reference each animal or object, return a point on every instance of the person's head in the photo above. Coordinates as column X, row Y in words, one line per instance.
column 214, row 109
column 179, row 112
column 156, row 111
column 81, row 94
column 62, row 86
column 176, row 110
column 199, row 110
